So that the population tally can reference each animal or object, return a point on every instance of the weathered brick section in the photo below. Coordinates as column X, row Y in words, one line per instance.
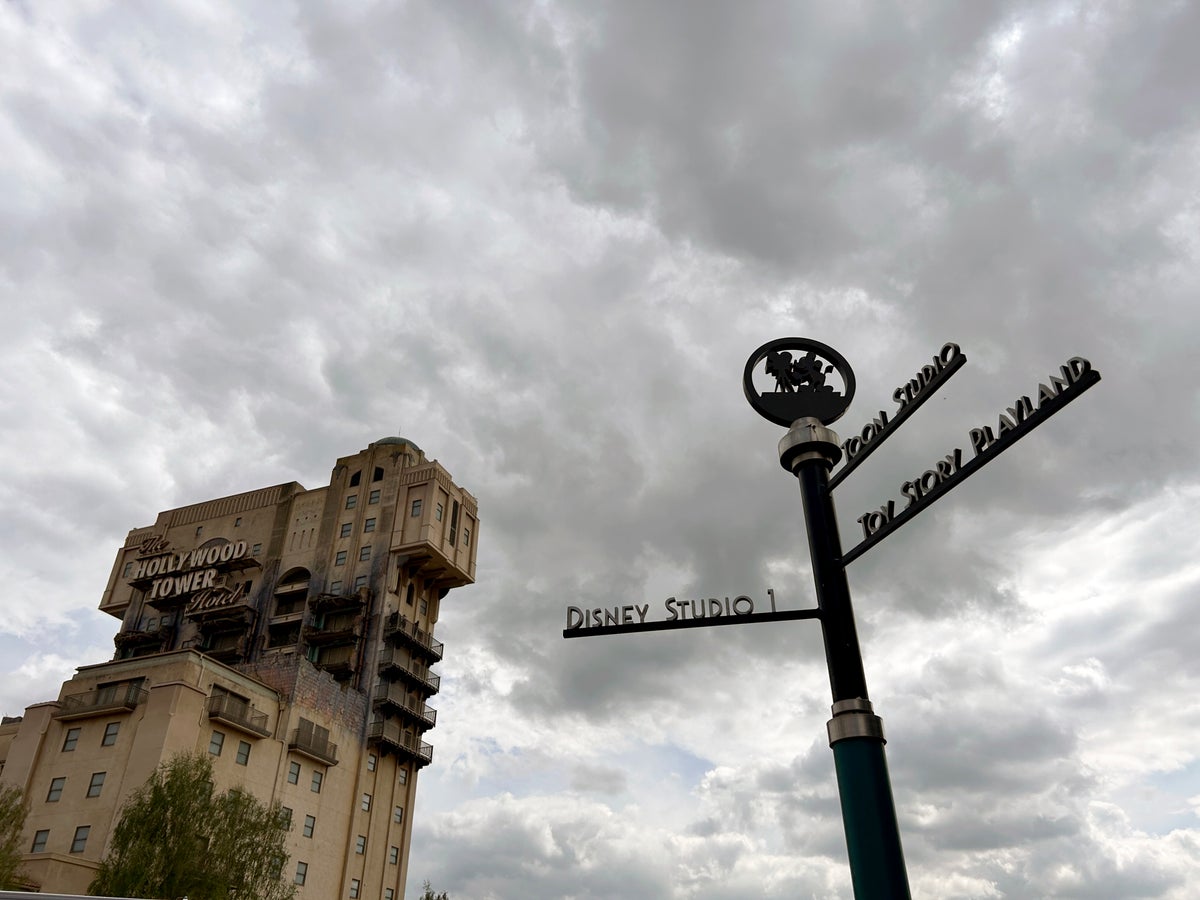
column 303, row 684
column 280, row 671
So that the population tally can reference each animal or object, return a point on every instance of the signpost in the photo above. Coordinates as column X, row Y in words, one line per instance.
column 810, row 391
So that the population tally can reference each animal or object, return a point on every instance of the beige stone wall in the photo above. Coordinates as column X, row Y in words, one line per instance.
column 174, row 718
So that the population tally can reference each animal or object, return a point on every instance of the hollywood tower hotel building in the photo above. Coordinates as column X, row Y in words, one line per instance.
column 289, row 634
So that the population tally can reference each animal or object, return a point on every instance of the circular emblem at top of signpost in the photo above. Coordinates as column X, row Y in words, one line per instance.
column 796, row 381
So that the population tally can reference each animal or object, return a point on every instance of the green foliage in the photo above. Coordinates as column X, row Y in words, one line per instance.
column 177, row 837
column 430, row 895
column 12, row 821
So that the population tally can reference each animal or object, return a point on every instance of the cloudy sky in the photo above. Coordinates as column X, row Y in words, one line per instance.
column 541, row 240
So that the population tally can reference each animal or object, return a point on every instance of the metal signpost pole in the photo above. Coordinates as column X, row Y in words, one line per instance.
column 809, row 450
column 803, row 401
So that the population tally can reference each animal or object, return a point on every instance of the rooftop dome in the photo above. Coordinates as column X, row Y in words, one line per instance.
column 398, row 440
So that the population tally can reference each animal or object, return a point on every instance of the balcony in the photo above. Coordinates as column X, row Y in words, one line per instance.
column 331, row 602
column 398, row 628
column 322, row 630
column 340, row 661
column 391, row 738
column 228, row 647
column 223, row 618
column 391, row 699
column 127, row 640
column 102, row 701
column 314, row 747
column 392, row 663
column 238, row 713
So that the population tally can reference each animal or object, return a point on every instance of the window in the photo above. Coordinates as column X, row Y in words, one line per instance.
column 340, row 559
column 364, row 553
column 81, row 836
column 408, row 595
column 285, row 815
column 243, row 754
column 437, row 512
column 39, row 841
column 355, row 479
column 347, row 527
column 466, row 537
column 56, row 789
column 215, row 743
column 237, row 523
column 351, row 501
column 393, row 855
column 96, row 784
column 424, row 607
column 355, row 884
column 256, row 549
column 369, row 525
column 128, row 570
column 70, row 740
column 199, row 530
column 453, row 522
column 416, row 507
column 398, row 815
column 371, row 760
column 373, row 497
column 293, row 773
column 310, row 825
column 389, row 894
column 403, row 774
column 377, row 475
column 366, row 802
column 360, row 581
column 301, row 872
column 152, row 624
column 335, row 588
column 318, row 777
column 360, row 844
column 110, row 734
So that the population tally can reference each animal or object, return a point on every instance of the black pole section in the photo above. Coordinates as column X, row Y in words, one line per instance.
column 842, row 654
column 809, row 450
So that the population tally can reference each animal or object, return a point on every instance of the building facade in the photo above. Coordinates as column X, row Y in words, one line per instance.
column 289, row 634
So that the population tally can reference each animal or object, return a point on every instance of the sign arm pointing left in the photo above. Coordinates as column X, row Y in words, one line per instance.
column 668, row 624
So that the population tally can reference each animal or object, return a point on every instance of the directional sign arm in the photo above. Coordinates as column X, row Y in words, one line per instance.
column 893, row 425
column 1089, row 378
column 669, row 624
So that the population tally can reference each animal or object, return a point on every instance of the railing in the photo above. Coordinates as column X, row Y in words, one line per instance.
column 386, row 693
column 318, row 748
column 389, row 657
column 398, row 624
column 393, row 734
column 238, row 713
column 122, row 698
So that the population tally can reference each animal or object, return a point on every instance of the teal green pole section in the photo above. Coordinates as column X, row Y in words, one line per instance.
column 869, row 816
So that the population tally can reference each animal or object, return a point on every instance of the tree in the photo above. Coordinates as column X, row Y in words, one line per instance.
column 177, row 837
column 12, row 822
column 430, row 895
